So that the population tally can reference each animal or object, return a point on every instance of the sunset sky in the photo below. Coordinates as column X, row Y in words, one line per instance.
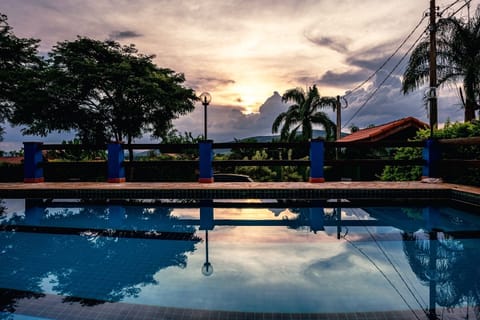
column 246, row 53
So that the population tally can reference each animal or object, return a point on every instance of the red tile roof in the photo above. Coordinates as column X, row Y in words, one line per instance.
column 384, row 131
column 11, row 160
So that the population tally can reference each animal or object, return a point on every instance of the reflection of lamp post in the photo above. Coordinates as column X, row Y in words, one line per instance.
column 207, row 268
column 205, row 98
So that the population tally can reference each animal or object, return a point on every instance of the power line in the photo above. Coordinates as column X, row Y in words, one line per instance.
column 388, row 59
column 389, row 281
column 452, row 4
column 449, row 6
column 385, row 79
column 466, row 4
column 401, row 60
column 393, row 266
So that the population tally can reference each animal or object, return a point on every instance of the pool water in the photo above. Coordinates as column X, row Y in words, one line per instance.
column 253, row 256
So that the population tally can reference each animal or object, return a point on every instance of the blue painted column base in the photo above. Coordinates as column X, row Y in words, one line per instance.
column 33, row 157
column 116, row 171
column 317, row 154
column 431, row 155
column 206, row 157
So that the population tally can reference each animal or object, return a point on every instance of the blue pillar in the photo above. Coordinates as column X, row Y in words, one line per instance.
column 431, row 217
column 206, row 157
column 316, row 218
column 431, row 155
column 116, row 170
column 317, row 154
column 34, row 211
column 32, row 171
column 116, row 216
column 206, row 215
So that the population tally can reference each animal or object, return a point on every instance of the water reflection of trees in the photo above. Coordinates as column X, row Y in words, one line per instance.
column 456, row 274
column 89, row 268
column 3, row 208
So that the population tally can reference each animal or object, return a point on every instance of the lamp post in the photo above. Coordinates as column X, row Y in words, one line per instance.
column 207, row 268
column 205, row 98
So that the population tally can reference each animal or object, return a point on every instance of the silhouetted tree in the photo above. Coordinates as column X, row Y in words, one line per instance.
column 18, row 64
column 458, row 59
column 303, row 114
column 105, row 91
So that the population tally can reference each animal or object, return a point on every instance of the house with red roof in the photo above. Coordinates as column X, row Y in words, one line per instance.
column 398, row 130
column 11, row 160
column 402, row 129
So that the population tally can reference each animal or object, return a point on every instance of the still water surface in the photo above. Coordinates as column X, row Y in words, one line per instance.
column 247, row 257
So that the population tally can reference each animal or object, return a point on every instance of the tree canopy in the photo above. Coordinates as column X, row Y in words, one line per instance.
column 18, row 64
column 104, row 91
column 458, row 59
column 303, row 114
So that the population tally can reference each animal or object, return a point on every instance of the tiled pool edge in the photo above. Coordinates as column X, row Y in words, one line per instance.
column 57, row 307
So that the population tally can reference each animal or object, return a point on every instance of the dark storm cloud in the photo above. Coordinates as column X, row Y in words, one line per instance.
column 227, row 122
column 334, row 43
column 344, row 79
column 373, row 57
column 388, row 104
column 126, row 34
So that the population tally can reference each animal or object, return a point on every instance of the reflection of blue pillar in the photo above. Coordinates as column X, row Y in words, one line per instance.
column 431, row 216
column 206, row 215
column 316, row 219
column 338, row 214
column 116, row 216
column 116, row 170
column 431, row 155
column 317, row 152
column 206, row 157
column 33, row 211
column 32, row 171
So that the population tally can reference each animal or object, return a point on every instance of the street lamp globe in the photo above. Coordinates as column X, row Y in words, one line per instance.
column 205, row 98
column 207, row 269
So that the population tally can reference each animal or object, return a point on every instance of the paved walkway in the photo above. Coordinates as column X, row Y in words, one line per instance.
column 353, row 185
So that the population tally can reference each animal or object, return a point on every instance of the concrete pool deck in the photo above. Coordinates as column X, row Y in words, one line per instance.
column 239, row 185
column 355, row 192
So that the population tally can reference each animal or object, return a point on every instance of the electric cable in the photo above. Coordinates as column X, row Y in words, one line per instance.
column 401, row 60
column 393, row 266
column 458, row 10
column 384, row 276
column 384, row 80
column 449, row 6
column 388, row 59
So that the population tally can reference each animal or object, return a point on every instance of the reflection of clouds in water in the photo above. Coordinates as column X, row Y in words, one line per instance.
column 356, row 213
column 12, row 208
column 284, row 277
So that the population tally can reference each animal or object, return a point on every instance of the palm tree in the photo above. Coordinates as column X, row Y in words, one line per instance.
column 458, row 59
column 303, row 114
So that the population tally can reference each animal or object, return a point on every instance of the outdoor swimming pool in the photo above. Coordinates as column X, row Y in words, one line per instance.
column 64, row 259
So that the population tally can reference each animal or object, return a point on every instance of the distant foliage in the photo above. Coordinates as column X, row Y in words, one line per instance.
column 258, row 173
column 404, row 173
column 461, row 175
column 76, row 154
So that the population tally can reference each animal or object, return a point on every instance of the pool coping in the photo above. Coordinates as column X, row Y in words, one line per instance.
column 244, row 190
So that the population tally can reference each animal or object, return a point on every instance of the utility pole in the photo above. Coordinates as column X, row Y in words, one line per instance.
column 339, row 118
column 433, row 68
